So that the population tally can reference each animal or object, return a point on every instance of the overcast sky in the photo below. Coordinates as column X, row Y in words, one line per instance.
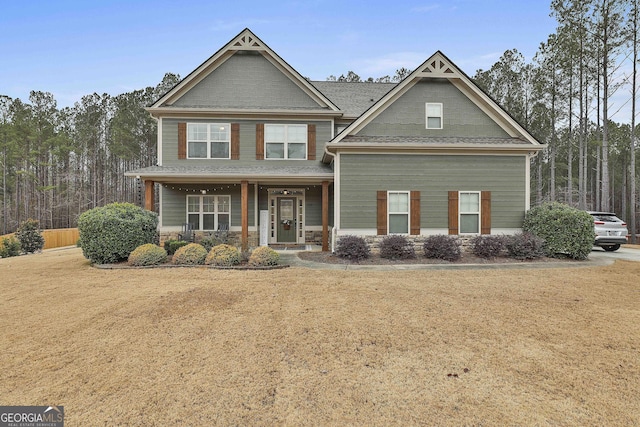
column 74, row 48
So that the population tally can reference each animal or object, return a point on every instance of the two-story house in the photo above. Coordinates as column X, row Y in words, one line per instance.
column 247, row 144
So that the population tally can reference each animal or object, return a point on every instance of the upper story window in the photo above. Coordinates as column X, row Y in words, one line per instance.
column 469, row 212
column 208, row 140
column 434, row 115
column 285, row 141
column 398, row 211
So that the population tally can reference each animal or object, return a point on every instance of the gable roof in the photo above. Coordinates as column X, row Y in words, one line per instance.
column 353, row 98
column 439, row 66
column 244, row 41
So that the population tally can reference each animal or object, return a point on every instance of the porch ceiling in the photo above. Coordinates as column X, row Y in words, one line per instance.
column 217, row 174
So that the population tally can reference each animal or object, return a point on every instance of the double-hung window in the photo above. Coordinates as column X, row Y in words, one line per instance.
column 285, row 141
column 209, row 212
column 434, row 115
column 208, row 140
column 398, row 211
column 469, row 212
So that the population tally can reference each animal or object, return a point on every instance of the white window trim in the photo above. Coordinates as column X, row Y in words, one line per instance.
column 209, row 140
column 215, row 212
column 286, row 142
column 408, row 212
column 478, row 212
column 426, row 115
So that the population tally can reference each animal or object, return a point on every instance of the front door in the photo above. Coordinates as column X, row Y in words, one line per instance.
column 286, row 220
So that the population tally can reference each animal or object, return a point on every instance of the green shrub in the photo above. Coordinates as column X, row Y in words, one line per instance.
column 147, row 254
column 487, row 246
column 566, row 231
column 172, row 245
column 354, row 248
column 442, row 247
column 525, row 246
column 264, row 256
column 10, row 247
column 191, row 254
column 30, row 236
column 223, row 255
column 215, row 240
column 110, row 233
column 396, row 247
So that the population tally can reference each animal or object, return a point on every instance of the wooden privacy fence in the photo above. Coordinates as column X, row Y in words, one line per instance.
column 57, row 238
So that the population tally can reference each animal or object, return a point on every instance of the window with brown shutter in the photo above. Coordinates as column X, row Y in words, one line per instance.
column 415, row 213
column 382, row 213
column 260, row 141
column 311, row 142
column 453, row 212
column 235, row 141
column 485, row 212
column 182, row 140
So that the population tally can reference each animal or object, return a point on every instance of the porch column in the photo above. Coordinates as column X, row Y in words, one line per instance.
column 325, row 216
column 244, row 186
column 149, row 202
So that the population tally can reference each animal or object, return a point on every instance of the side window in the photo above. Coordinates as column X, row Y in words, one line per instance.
column 469, row 211
column 285, row 141
column 209, row 212
column 398, row 211
column 434, row 115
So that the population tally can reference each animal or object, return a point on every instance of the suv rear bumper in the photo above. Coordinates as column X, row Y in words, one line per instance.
column 610, row 240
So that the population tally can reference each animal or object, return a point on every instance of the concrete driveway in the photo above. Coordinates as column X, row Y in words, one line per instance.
column 624, row 253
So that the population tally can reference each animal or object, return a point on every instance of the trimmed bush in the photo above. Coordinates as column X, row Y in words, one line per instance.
column 191, row 254
column 264, row 256
column 30, row 236
column 147, row 254
column 487, row 246
column 525, row 246
column 110, row 233
column 353, row 248
column 567, row 231
column 396, row 247
column 215, row 240
column 172, row 245
column 443, row 247
column 223, row 255
column 10, row 247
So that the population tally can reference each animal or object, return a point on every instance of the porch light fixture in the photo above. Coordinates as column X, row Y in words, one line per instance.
column 203, row 191
column 285, row 192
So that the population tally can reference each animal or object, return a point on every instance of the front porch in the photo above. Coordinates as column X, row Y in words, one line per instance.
column 253, row 214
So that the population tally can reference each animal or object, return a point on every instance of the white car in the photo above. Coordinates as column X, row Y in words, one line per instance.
column 611, row 231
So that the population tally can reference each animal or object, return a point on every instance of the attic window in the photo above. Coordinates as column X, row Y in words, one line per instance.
column 434, row 115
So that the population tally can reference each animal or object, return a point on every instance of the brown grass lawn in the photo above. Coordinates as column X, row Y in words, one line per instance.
column 303, row 347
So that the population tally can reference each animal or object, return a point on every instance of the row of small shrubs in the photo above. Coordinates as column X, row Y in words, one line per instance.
column 449, row 248
column 196, row 254
column 28, row 239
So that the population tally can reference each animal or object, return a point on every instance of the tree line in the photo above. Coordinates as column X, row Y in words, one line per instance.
column 57, row 163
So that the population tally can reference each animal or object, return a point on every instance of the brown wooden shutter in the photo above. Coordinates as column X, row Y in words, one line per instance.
column 453, row 212
column 415, row 213
column 485, row 212
column 382, row 213
column 182, row 140
column 260, row 141
column 235, row 141
column 311, row 142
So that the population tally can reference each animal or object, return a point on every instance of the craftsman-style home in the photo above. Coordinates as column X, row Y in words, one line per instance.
column 248, row 145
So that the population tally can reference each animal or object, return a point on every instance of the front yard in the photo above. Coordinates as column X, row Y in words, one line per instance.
column 304, row 347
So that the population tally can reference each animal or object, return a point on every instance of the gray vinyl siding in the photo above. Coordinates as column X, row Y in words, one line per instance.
column 407, row 115
column 246, row 80
column 434, row 176
column 174, row 202
column 247, row 143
